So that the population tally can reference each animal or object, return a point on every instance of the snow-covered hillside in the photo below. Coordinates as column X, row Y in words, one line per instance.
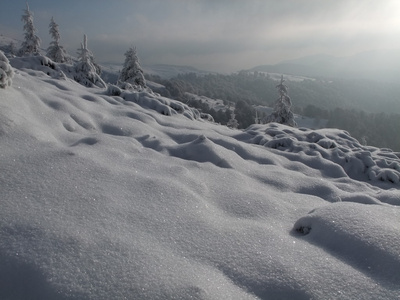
column 134, row 197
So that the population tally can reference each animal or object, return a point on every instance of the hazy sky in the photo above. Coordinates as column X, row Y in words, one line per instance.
column 215, row 35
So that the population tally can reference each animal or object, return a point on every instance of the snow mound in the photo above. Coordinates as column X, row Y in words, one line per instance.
column 40, row 63
column 202, row 150
column 160, row 104
column 333, row 146
column 86, row 75
column 364, row 236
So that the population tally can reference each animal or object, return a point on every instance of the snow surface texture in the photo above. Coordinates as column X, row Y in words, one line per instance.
column 104, row 198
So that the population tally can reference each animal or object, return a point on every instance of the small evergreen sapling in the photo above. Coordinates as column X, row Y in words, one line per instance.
column 31, row 43
column 56, row 52
column 132, row 72
column 6, row 71
column 233, row 123
column 282, row 113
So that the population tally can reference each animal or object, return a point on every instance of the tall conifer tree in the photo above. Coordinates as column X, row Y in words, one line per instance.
column 56, row 52
column 31, row 43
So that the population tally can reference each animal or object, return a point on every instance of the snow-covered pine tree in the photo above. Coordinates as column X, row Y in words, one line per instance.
column 132, row 71
column 6, row 71
column 84, row 51
column 55, row 51
column 86, row 71
column 282, row 113
column 31, row 44
column 91, row 56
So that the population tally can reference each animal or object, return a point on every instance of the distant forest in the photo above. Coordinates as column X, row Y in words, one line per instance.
column 368, row 110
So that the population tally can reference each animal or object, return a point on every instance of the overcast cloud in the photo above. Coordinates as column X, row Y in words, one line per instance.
column 219, row 35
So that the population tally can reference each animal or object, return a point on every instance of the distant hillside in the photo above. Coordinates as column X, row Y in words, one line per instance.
column 6, row 41
column 376, row 65
column 110, row 71
column 169, row 71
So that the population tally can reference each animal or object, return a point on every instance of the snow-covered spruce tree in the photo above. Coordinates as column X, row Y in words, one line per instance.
column 90, row 55
column 31, row 44
column 86, row 70
column 55, row 51
column 132, row 71
column 6, row 71
column 282, row 113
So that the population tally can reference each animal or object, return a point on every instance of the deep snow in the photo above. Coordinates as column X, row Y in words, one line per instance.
column 135, row 197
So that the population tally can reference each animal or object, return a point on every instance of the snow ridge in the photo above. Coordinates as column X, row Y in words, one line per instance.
column 352, row 159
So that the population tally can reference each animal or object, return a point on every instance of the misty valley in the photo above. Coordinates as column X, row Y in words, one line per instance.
column 368, row 109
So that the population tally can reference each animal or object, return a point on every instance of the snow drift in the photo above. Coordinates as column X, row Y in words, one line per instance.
column 134, row 197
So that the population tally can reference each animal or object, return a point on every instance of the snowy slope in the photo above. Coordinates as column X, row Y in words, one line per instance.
column 103, row 198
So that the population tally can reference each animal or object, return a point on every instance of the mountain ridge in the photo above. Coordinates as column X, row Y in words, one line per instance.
column 377, row 65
